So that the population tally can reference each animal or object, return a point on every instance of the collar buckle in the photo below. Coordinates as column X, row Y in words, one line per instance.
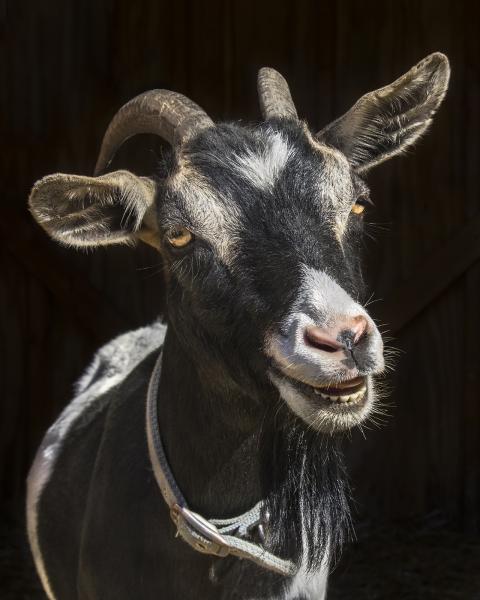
column 207, row 539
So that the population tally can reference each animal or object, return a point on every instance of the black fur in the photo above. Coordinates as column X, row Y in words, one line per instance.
column 219, row 315
column 229, row 437
column 260, row 230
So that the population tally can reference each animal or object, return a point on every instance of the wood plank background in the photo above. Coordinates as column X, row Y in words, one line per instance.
column 65, row 67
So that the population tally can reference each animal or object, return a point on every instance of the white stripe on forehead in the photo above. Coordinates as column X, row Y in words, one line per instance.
column 263, row 167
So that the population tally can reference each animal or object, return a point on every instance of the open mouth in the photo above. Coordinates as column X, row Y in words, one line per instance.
column 345, row 394
column 327, row 406
column 350, row 391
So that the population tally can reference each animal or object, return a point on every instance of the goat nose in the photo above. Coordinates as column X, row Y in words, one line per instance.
column 345, row 335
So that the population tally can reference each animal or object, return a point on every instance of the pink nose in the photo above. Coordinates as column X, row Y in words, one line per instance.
column 346, row 333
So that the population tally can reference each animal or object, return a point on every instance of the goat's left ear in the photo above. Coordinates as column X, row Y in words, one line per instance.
column 386, row 121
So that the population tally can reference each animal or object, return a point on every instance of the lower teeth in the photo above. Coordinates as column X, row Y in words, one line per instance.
column 350, row 398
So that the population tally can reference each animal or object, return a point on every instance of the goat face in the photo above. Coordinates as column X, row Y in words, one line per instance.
column 260, row 230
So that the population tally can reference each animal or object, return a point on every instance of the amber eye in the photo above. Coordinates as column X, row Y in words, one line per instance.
column 360, row 204
column 179, row 237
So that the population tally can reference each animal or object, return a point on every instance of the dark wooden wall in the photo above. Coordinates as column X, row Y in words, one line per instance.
column 65, row 67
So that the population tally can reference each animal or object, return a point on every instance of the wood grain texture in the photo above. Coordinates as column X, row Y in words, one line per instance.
column 432, row 277
column 66, row 67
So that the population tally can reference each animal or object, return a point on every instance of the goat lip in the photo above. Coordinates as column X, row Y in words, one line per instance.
column 343, row 388
column 344, row 395
column 337, row 388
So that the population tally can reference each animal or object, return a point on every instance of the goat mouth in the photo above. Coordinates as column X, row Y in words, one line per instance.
column 327, row 407
column 350, row 391
column 345, row 393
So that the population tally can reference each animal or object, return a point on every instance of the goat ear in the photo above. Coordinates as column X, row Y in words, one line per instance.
column 79, row 211
column 388, row 120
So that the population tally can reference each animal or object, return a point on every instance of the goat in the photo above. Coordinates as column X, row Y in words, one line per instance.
column 235, row 404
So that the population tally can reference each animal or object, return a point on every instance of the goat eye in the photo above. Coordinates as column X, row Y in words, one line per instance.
column 360, row 204
column 179, row 237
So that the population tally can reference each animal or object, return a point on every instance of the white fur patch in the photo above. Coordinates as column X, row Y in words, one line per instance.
column 322, row 302
column 336, row 187
column 263, row 169
column 325, row 297
column 335, row 184
column 311, row 585
column 110, row 366
column 214, row 217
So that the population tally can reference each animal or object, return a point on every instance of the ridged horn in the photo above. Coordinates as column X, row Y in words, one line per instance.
column 170, row 115
column 274, row 95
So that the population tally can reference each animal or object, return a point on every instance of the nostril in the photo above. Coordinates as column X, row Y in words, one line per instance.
column 320, row 339
column 359, row 328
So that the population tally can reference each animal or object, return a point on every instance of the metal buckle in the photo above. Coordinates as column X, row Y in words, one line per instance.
column 202, row 527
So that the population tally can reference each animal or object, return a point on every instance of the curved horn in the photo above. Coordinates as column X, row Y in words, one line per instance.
column 274, row 95
column 170, row 115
